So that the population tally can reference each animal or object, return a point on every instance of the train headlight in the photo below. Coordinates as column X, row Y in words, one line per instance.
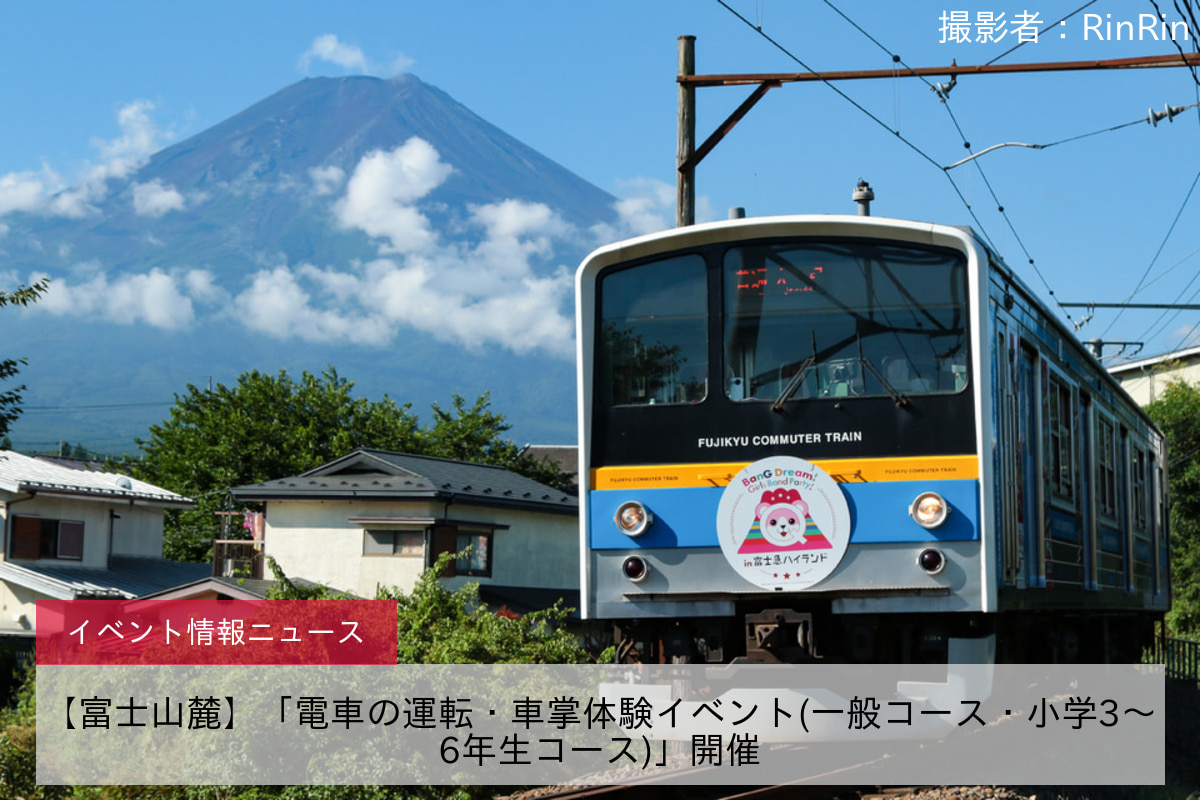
column 633, row 518
column 635, row 568
column 931, row 560
column 929, row 509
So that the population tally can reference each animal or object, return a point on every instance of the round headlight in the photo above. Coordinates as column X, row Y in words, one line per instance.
column 635, row 568
column 633, row 518
column 932, row 561
column 929, row 509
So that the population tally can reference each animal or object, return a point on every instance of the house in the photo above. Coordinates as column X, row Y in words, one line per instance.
column 72, row 533
column 1145, row 379
column 377, row 518
column 564, row 457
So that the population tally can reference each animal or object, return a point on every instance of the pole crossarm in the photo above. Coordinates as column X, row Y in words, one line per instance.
column 726, row 126
column 1141, row 62
column 1177, row 306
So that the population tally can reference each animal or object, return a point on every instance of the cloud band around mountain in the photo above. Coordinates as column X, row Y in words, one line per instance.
column 501, row 286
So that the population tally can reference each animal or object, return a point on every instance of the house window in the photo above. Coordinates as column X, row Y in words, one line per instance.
column 394, row 543
column 39, row 537
column 478, row 560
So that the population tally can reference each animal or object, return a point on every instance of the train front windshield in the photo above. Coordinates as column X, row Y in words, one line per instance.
column 804, row 319
column 853, row 319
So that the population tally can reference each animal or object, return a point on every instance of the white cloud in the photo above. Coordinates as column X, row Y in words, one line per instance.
column 154, row 199
column 647, row 205
column 154, row 298
column 350, row 58
column 327, row 180
column 330, row 48
column 278, row 305
column 139, row 140
column 398, row 65
column 485, row 293
column 381, row 193
column 47, row 192
column 22, row 191
column 201, row 285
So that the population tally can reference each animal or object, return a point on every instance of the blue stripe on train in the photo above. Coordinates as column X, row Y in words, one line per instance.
column 686, row 517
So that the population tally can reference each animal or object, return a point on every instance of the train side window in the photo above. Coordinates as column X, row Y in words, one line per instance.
column 1060, row 430
column 1106, row 467
column 1137, row 456
column 653, row 334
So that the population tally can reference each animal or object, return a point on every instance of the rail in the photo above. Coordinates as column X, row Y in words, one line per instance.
column 1180, row 657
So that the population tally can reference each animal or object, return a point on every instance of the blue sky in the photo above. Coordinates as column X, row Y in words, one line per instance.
column 592, row 86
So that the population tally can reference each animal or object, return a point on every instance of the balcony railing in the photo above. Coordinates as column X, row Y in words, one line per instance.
column 237, row 558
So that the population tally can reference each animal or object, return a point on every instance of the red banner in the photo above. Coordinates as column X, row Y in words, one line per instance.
column 216, row 632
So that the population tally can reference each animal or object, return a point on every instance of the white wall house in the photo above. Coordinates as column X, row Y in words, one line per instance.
column 1145, row 379
column 376, row 518
column 75, row 533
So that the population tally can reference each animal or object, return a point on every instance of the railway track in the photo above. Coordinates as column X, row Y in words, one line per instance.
column 789, row 791
column 694, row 783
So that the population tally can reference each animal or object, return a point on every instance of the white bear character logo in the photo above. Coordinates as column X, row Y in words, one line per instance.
column 783, row 523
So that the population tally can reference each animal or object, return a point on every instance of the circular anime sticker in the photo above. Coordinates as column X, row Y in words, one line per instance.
column 783, row 523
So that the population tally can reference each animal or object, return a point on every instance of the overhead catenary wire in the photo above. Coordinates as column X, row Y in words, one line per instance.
column 943, row 94
column 1150, row 118
column 912, row 146
column 1141, row 281
column 1049, row 27
column 1161, row 15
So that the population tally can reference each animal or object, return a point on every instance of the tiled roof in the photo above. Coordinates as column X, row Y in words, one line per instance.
column 20, row 473
column 1165, row 358
column 563, row 456
column 384, row 475
column 255, row 587
column 129, row 577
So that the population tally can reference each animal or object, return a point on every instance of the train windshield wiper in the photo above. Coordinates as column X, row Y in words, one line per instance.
column 899, row 399
column 794, row 383
column 798, row 379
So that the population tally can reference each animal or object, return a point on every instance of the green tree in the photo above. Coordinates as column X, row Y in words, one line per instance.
column 436, row 625
column 270, row 426
column 439, row 626
column 475, row 434
column 264, row 427
column 10, row 400
column 1177, row 412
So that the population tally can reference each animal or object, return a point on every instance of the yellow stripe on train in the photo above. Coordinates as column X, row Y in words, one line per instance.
column 850, row 470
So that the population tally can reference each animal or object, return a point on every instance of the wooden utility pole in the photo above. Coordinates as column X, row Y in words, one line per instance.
column 685, row 175
column 689, row 155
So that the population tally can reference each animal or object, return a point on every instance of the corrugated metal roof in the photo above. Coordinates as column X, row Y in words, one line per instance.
column 20, row 473
column 129, row 577
column 384, row 475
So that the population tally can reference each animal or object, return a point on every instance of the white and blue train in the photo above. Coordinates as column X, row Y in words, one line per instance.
column 854, row 439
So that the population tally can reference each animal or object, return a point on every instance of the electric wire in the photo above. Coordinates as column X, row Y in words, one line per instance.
column 1150, row 266
column 1191, row 67
column 1049, row 27
column 1164, row 319
column 865, row 111
column 105, row 407
column 943, row 95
